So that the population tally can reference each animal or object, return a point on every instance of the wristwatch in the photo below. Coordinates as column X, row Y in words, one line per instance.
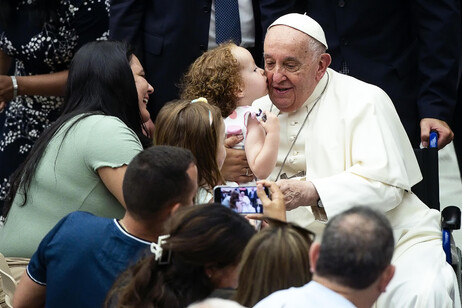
column 320, row 205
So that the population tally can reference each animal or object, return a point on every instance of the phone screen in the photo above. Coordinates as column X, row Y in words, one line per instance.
column 241, row 199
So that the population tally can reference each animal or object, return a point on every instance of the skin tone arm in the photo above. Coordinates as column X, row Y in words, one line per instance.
column 262, row 144
column 112, row 179
column 44, row 85
column 29, row 293
column 235, row 165
column 5, row 63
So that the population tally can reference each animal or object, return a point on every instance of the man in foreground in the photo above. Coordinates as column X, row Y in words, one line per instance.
column 351, row 267
column 79, row 259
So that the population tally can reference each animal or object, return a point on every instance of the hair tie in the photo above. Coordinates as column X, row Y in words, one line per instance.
column 157, row 250
column 203, row 100
column 200, row 99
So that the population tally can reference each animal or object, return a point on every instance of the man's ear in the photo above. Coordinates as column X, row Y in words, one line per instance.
column 385, row 278
column 324, row 62
column 314, row 255
column 174, row 208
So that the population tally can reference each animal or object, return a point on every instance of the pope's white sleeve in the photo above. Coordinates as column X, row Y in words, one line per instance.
column 345, row 190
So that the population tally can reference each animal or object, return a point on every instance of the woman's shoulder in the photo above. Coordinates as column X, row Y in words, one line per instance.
column 101, row 125
column 101, row 120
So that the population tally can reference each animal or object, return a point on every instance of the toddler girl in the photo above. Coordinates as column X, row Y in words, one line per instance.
column 199, row 127
column 228, row 77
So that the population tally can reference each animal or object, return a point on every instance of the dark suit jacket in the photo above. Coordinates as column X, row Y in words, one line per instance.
column 408, row 48
column 170, row 34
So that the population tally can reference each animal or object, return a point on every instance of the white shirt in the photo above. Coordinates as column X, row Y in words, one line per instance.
column 310, row 295
column 247, row 21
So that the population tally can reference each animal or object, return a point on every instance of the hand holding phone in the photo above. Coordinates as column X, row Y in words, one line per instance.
column 241, row 199
column 274, row 207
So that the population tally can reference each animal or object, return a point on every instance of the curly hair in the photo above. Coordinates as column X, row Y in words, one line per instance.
column 216, row 76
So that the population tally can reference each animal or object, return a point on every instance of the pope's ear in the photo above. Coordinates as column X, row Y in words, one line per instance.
column 324, row 62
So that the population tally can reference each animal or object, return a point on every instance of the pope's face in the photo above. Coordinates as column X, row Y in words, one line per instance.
column 290, row 67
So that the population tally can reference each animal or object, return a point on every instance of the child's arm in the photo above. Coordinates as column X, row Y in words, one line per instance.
column 261, row 150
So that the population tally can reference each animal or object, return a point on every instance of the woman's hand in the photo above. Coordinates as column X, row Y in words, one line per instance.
column 274, row 207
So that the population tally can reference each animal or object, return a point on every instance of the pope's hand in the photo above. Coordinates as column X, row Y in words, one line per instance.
column 298, row 193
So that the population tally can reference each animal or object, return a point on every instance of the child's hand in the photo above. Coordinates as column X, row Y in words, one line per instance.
column 271, row 124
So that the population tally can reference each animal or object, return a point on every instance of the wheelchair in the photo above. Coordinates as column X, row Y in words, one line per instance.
column 428, row 191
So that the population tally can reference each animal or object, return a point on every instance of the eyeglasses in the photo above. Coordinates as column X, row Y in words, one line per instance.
column 203, row 100
column 305, row 233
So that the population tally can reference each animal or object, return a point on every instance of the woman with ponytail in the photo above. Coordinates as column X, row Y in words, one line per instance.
column 200, row 254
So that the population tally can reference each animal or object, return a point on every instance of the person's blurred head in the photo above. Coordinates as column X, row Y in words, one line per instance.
column 233, row 199
column 276, row 258
column 356, row 249
column 205, row 240
column 199, row 127
column 295, row 62
column 157, row 178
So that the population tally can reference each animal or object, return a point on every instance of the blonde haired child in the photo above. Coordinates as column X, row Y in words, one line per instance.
column 228, row 77
column 199, row 127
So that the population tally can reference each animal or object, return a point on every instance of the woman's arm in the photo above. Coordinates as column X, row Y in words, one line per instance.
column 5, row 63
column 113, row 179
column 44, row 85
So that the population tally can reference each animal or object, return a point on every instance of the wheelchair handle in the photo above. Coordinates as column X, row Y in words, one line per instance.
column 433, row 139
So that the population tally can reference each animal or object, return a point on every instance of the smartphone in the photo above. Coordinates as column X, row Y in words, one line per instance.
column 241, row 199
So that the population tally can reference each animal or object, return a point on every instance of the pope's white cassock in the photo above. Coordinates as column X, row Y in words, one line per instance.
column 355, row 151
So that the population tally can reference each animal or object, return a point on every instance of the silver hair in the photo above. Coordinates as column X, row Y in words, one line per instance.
column 316, row 48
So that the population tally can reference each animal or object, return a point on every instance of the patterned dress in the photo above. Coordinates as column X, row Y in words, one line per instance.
column 42, row 49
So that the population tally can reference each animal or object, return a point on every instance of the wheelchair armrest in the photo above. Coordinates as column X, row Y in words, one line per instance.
column 450, row 218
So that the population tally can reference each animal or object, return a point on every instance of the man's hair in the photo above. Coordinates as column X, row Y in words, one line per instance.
column 156, row 178
column 356, row 247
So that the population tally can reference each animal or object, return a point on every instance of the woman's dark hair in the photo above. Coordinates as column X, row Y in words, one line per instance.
column 200, row 236
column 233, row 199
column 101, row 82
column 40, row 11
